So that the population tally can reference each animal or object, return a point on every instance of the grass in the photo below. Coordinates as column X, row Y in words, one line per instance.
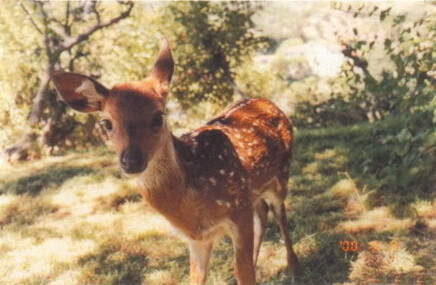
column 72, row 219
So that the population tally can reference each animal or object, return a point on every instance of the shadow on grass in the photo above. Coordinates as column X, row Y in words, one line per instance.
column 328, row 263
column 52, row 176
column 371, row 159
column 114, row 266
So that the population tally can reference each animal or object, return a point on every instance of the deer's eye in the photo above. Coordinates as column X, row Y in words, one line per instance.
column 157, row 121
column 107, row 124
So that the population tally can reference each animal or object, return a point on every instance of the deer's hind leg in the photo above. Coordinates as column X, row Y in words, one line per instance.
column 280, row 214
column 260, row 223
column 279, row 210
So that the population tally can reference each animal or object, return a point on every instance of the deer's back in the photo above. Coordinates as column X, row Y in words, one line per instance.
column 234, row 155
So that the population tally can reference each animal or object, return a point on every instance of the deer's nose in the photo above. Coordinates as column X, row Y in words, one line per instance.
column 132, row 160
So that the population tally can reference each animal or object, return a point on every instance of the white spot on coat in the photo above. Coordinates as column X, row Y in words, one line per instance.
column 223, row 203
column 212, row 180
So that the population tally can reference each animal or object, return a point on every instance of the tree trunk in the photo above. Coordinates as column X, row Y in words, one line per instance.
column 20, row 150
column 38, row 101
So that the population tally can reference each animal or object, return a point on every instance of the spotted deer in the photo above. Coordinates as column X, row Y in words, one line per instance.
column 219, row 179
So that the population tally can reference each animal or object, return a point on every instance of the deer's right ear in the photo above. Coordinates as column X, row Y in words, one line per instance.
column 80, row 92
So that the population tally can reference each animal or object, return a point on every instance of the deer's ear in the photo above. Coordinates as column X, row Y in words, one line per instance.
column 164, row 67
column 80, row 92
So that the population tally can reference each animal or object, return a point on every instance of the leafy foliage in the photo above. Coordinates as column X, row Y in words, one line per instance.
column 406, row 81
column 212, row 39
column 409, row 83
column 21, row 59
column 405, row 89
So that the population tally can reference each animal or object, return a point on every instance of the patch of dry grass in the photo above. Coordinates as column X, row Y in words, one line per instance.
column 272, row 260
column 426, row 210
column 326, row 154
column 311, row 170
column 344, row 188
column 386, row 265
column 24, row 210
column 161, row 277
column 306, row 245
column 28, row 259
column 376, row 220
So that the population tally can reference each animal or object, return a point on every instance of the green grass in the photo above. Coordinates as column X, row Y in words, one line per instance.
column 322, row 158
column 72, row 219
column 49, row 177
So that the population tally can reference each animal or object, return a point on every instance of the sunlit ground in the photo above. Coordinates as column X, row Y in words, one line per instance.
column 73, row 219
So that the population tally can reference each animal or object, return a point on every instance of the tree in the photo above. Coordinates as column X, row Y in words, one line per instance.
column 212, row 40
column 60, row 39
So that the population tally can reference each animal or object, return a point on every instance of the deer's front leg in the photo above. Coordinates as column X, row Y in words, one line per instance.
column 242, row 237
column 199, row 255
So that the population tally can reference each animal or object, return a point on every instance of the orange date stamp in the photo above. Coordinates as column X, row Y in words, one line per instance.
column 374, row 246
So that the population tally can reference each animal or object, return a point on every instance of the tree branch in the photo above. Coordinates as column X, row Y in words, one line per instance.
column 67, row 15
column 362, row 63
column 30, row 18
column 76, row 56
column 72, row 41
column 60, row 32
column 47, row 42
column 95, row 12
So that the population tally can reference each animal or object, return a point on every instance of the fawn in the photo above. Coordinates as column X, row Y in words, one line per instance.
column 222, row 178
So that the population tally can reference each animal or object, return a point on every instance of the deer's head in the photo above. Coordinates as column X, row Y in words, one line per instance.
column 133, row 112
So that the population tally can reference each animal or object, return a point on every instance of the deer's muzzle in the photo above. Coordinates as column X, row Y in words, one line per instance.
column 132, row 160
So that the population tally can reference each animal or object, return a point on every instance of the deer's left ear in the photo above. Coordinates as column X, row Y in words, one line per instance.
column 80, row 92
column 163, row 68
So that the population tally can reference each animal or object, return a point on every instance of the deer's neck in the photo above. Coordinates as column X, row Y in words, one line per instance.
column 163, row 179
